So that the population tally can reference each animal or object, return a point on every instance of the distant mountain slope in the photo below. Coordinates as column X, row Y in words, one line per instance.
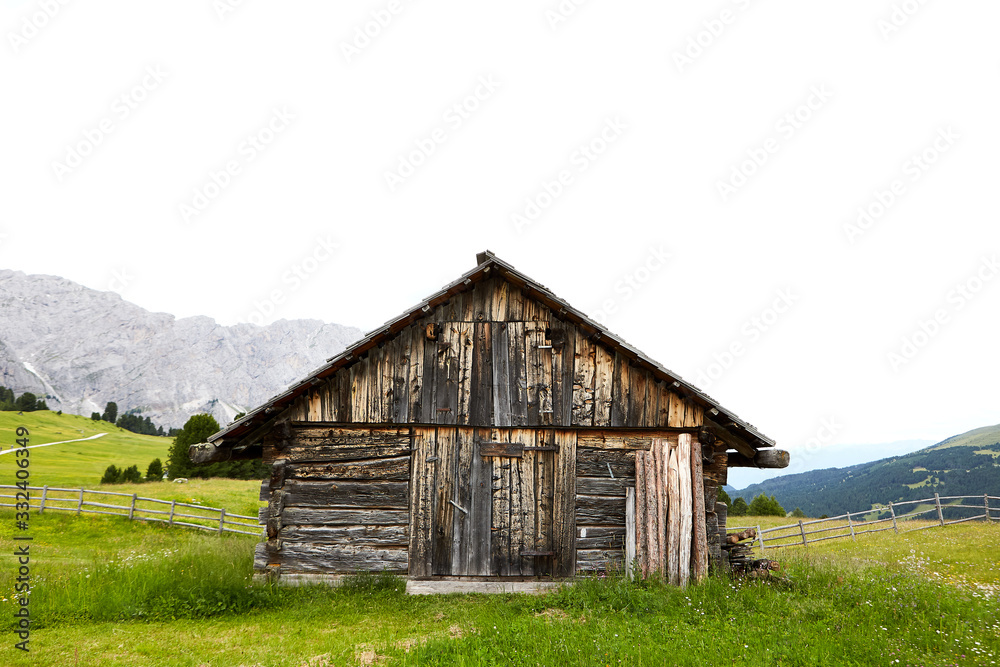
column 83, row 348
column 966, row 464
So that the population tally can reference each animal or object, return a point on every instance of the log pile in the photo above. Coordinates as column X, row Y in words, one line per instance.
column 741, row 560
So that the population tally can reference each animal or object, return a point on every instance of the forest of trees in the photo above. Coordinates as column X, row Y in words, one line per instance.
column 26, row 402
column 952, row 471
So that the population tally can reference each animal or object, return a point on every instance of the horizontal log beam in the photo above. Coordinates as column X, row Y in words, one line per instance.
column 732, row 441
column 765, row 458
column 208, row 453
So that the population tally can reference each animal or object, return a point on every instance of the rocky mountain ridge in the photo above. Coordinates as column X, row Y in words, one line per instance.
column 83, row 347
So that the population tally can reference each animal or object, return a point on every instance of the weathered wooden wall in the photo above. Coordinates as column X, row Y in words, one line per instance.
column 492, row 502
column 338, row 500
column 492, row 356
column 605, row 470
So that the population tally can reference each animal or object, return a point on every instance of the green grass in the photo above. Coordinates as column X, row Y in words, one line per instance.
column 82, row 464
column 112, row 592
column 75, row 464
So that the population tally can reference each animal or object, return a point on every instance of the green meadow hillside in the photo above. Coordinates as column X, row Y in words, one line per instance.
column 74, row 464
column 965, row 464
column 81, row 464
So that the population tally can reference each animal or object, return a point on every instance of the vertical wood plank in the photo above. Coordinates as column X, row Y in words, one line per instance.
column 544, row 474
column 699, row 543
column 674, row 519
column 501, row 375
column 401, row 378
column 522, row 504
column 563, row 356
column 687, row 524
column 515, row 305
column 620, row 390
column 481, row 400
column 501, row 533
column 482, row 300
column 501, row 293
column 443, row 493
column 675, row 418
column 583, row 382
column 662, row 451
column 538, row 373
column 564, row 503
column 604, row 389
column 421, row 503
column 465, row 344
column 640, row 513
column 635, row 414
column 479, row 553
column 518, row 378
column 446, row 373
column 463, row 546
column 415, row 373
column 630, row 532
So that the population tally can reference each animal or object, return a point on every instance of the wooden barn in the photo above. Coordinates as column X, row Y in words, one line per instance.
column 493, row 432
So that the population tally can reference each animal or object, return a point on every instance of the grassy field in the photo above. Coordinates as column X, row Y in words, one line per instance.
column 110, row 592
column 81, row 464
column 75, row 464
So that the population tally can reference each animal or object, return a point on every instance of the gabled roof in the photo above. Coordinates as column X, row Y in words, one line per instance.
column 488, row 265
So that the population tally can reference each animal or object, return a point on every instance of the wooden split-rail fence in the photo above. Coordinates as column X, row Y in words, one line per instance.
column 134, row 507
column 853, row 524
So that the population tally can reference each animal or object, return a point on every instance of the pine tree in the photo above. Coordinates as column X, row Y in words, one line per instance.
column 197, row 429
column 112, row 475
column 154, row 473
column 724, row 498
column 110, row 412
column 739, row 508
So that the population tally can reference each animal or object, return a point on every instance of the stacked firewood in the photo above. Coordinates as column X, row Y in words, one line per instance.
column 741, row 560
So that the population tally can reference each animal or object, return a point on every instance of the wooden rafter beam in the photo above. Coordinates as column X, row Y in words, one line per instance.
column 732, row 440
column 765, row 458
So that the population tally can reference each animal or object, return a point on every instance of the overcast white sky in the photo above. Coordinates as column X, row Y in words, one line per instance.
column 203, row 157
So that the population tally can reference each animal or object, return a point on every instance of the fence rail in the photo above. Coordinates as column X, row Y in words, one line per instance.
column 853, row 524
column 54, row 498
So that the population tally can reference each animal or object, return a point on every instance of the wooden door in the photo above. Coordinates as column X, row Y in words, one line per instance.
column 486, row 502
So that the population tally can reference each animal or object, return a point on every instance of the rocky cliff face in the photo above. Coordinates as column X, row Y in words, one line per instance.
column 83, row 348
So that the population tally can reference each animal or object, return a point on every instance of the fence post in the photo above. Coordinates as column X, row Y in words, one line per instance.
column 45, row 492
column 79, row 506
column 760, row 539
column 222, row 520
column 802, row 530
column 986, row 506
column 937, row 502
column 173, row 504
column 131, row 509
column 892, row 511
column 850, row 524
